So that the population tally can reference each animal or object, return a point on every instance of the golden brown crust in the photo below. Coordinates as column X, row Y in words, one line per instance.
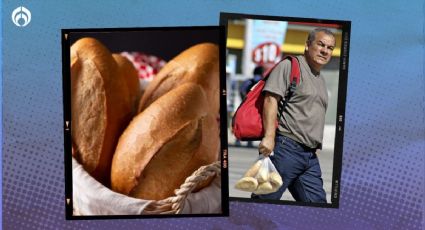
column 92, row 49
column 100, row 103
column 210, row 147
column 170, row 161
column 199, row 64
column 193, row 146
column 88, row 112
column 164, row 144
column 129, row 74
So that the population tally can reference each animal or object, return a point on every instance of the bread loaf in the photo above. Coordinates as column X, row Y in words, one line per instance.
column 262, row 175
column 275, row 179
column 252, row 172
column 248, row 184
column 264, row 188
column 101, row 105
column 128, row 73
column 199, row 64
column 165, row 143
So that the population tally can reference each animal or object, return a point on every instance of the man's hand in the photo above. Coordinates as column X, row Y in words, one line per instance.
column 266, row 146
column 269, row 123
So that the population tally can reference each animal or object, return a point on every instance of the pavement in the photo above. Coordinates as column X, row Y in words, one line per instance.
column 242, row 157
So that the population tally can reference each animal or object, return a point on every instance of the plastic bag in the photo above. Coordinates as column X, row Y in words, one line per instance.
column 261, row 178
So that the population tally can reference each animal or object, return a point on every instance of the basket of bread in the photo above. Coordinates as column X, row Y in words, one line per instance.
column 152, row 150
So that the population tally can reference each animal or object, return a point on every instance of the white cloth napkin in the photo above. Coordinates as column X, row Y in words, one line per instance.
column 92, row 198
column 208, row 200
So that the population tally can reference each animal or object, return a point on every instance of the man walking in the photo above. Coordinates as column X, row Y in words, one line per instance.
column 301, row 121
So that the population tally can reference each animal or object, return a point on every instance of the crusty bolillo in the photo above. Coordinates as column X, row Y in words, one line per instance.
column 265, row 188
column 199, row 64
column 165, row 144
column 276, row 180
column 101, row 105
column 129, row 74
column 262, row 175
column 253, row 170
column 248, row 184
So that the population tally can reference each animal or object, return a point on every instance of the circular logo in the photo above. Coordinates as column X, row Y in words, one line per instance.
column 21, row 16
column 266, row 52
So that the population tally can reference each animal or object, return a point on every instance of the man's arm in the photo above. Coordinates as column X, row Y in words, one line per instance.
column 269, row 123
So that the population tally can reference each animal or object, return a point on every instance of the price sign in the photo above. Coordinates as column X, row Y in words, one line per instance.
column 265, row 53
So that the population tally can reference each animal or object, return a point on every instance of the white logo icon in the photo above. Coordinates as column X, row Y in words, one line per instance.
column 21, row 16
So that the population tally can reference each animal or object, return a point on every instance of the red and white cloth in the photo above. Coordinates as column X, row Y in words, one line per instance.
column 146, row 65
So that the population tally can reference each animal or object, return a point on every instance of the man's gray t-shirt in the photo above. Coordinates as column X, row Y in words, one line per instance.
column 303, row 117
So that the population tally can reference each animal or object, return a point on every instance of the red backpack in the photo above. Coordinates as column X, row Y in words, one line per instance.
column 247, row 123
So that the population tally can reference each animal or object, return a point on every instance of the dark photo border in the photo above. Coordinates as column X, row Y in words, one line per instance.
column 345, row 26
column 66, row 42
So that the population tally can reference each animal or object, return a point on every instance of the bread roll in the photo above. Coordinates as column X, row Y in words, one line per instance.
column 252, row 172
column 165, row 143
column 248, row 184
column 129, row 74
column 263, row 175
column 264, row 188
column 275, row 179
column 101, row 106
column 199, row 64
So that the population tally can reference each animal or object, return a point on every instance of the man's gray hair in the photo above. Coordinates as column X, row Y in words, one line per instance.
column 312, row 34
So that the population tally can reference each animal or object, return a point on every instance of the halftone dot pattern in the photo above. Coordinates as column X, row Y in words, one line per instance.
column 382, row 182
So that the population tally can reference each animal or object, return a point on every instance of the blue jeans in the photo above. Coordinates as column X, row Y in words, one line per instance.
column 300, row 171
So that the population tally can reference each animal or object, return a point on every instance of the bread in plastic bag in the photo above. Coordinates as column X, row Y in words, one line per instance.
column 275, row 180
column 248, row 184
column 264, row 188
column 261, row 178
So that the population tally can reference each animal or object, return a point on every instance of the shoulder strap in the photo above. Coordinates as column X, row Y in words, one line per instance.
column 295, row 75
column 294, row 79
column 295, row 69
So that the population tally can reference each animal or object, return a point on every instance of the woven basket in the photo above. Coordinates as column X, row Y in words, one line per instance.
column 175, row 204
